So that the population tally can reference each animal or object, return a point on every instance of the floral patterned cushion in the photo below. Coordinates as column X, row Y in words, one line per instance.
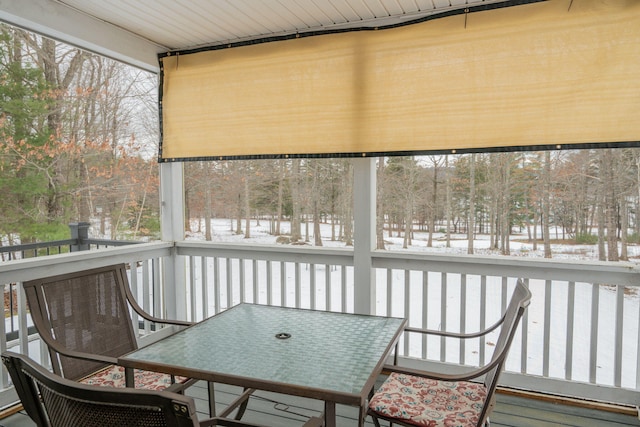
column 426, row 402
column 113, row 376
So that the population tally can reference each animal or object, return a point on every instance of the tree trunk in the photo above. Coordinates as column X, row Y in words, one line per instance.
column 347, row 216
column 295, row 199
column 608, row 180
column 281, row 180
column 506, row 205
column 624, row 227
column 247, row 207
column 315, row 194
column 434, row 204
column 536, row 216
column 406, row 241
column 447, row 213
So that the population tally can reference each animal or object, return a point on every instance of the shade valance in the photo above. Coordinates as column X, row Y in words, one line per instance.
column 541, row 74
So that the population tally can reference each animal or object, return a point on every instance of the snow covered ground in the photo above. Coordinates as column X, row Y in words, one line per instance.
column 222, row 231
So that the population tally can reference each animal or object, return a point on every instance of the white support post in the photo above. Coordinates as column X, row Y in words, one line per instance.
column 172, row 230
column 364, row 214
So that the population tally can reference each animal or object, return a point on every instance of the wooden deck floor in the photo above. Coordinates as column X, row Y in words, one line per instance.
column 285, row 411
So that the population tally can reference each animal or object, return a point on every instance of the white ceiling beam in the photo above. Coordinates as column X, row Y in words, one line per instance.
column 59, row 22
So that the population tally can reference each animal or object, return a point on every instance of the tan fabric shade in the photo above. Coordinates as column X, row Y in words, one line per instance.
column 539, row 74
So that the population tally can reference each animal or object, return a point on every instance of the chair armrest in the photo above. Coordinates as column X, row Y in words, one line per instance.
column 153, row 319
column 132, row 302
column 462, row 376
column 456, row 334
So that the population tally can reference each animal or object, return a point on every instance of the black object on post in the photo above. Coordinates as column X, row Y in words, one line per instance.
column 80, row 233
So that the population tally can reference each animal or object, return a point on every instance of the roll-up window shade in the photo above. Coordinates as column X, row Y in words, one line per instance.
column 540, row 74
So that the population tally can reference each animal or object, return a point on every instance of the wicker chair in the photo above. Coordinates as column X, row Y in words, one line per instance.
column 52, row 401
column 411, row 397
column 84, row 318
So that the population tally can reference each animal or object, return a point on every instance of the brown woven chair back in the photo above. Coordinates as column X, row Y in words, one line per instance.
column 84, row 311
column 65, row 403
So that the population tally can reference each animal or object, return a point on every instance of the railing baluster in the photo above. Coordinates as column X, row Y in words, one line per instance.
column 547, row 328
column 283, row 284
column 328, row 286
column 256, row 287
column 425, row 310
column 22, row 319
column 229, row 277
column 483, row 317
column 389, row 291
column 312, row 286
column 463, row 315
column 204, row 282
column 217, row 290
column 192, row 288
column 407, row 305
column 135, row 286
column 157, row 286
column 146, row 283
column 443, row 315
column 269, row 283
column 571, row 297
column 617, row 361
column 241, row 276
column 524, row 345
column 343, row 284
column 297, row 281
column 593, row 353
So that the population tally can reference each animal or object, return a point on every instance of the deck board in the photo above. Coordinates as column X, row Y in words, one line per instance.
column 286, row 411
column 513, row 411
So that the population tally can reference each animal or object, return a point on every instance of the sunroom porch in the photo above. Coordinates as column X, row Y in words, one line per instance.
column 580, row 338
column 577, row 345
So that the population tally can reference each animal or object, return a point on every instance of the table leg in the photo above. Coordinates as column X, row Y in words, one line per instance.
column 212, row 399
column 329, row 414
column 362, row 414
column 129, row 378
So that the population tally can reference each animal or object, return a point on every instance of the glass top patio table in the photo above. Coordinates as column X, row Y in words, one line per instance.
column 335, row 357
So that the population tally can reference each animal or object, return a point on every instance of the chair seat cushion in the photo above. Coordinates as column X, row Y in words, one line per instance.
column 113, row 376
column 427, row 402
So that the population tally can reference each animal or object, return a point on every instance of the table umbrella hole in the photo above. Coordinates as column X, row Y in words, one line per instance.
column 283, row 335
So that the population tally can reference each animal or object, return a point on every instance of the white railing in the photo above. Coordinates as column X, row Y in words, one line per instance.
column 580, row 336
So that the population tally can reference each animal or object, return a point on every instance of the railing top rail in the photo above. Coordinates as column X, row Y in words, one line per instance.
column 297, row 253
column 32, row 268
column 108, row 242
column 37, row 245
column 621, row 273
